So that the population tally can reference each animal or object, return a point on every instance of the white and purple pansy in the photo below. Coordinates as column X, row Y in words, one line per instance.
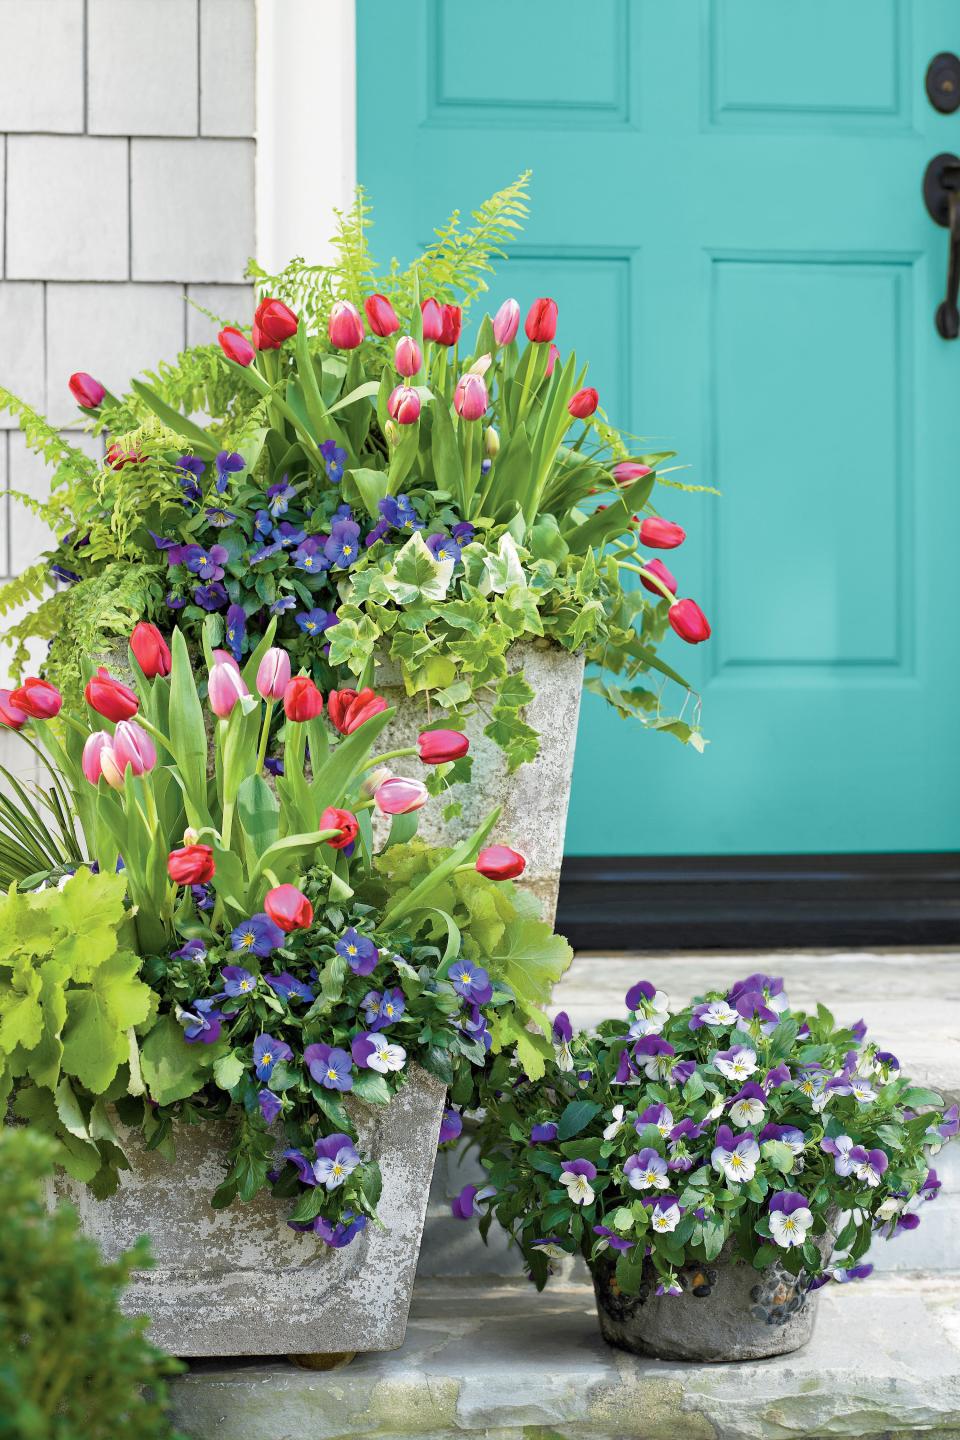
column 562, row 1036
column 329, row 1066
column 848, row 1082
column 611, row 1238
column 612, row 1130
column 576, row 1175
column 658, row 1115
column 841, row 1147
column 790, row 1218
column 669, row 1285
column 949, row 1126
column 646, row 1171
column 749, row 1106
column 682, row 1137
column 336, row 1160
column 759, row 997
column 371, row 1050
column 813, row 1084
column 550, row 1246
column 656, row 1057
column 788, row 1135
column 466, row 1205
column 735, row 1156
column 738, row 1063
column 715, row 1013
column 871, row 1165
column 651, row 1009
column 665, row 1214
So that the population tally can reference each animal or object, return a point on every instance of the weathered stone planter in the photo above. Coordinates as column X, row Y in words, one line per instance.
column 241, row 1282
column 534, row 799
column 728, row 1311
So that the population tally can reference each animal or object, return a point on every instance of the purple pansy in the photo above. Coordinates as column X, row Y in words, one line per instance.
column 612, row 1238
column 219, row 518
column 228, row 463
column 358, row 950
column 273, row 765
column 316, row 621
column 471, row 982
column 266, row 1052
column 543, row 1134
column 206, row 561
column 235, row 630
column 270, row 1105
column 340, row 1234
column 442, row 547
column 203, row 1022
column 203, row 896
column 279, row 497
column 330, row 1066
column 451, row 1126
column 682, row 1137
column 399, row 513
column 777, row 1076
column 210, row 597
column 309, row 556
column 381, row 1010
column 237, row 981
column 288, row 987
column 463, row 532
column 343, row 545
column 334, row 457
column 191, row 950
column 257, row 936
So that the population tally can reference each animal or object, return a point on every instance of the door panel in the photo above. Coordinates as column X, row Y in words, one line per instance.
column 727, row 207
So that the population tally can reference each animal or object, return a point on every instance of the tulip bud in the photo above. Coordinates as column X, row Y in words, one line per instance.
column 626, row 472
column 541, row 322
column 273, row 676
column 117, row 458
column 481, row 365
column 450, row 328
column 499, row 862
column 111, row 699
column 235, row 345
column 12, row 716
column 491, row 442
column 407, row 356
column 506, row 322
column 342, row 820
column 470, row 397
column 404, row 404
column 553, row 355
column 133, row 748
column 302, row 701
column 289, row 908
column 87, row 392
column 273, row 322
column 345, row 327
column 381, row 316
column 659, row 534
column 436, row 747
column 110, row 768
column 193, row 865
column 584, row 403
column 92, row 749
column 191, row 836
column 151, row 650
column 432, row 312
column 37, row 698
column 391, row 433
column 374, row 780
column 400, row 796
column 689, row 621
column 657, row 567
column 225, row 686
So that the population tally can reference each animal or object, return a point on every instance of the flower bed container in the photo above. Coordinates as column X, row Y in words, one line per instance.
column 535, row 798
column 239, row 1281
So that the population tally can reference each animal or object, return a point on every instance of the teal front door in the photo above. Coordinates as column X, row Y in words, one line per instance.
column 727, row 207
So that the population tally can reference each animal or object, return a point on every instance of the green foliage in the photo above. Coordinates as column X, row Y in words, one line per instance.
column 72, row 1367
column 37, row 831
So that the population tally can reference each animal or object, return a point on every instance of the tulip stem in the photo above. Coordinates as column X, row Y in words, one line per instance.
column 389, row 755
column 264, row 736
column 653, row 578
column 158, row 735
column 227, row 825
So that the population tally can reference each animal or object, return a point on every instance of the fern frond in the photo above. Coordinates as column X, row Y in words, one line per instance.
column 25, row 588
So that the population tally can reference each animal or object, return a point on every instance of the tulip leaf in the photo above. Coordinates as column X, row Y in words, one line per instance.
column 330, row 785
column 259, row 812
column 199, row 440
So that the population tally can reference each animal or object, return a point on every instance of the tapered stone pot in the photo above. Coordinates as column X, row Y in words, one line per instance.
column 727, row 1311
column 241, row 1282
column 534, row 799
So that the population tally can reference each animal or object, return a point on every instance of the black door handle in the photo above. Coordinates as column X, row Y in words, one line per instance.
column 941, row 192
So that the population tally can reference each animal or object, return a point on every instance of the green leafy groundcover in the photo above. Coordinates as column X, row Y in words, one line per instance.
column 737, row 1125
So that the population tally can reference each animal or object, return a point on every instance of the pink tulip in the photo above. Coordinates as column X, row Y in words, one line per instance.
column 470, row 397
column 553, row 355
column 584, row 403
column 404, row 404
column 87, row 392
column 345, row 327
column 400, row 796
column 381, row 316
column 235, row 345
column 224, row 689
column 92, row 750
column 407, row 356
column 133, row 748
column 432, row 312
column 223, row 657
column 110, row 768
column 627, row 471
column 376, row 778
column 506, row 322
column 481, row 365
column 273, row 676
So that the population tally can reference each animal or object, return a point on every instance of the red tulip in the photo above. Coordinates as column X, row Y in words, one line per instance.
column 117, row 458
column 499, row 862
column 438, row 746
column 192, row 865
column 657, row 567
column 452, row 321
column 407, row 356
column 345, row 327
column 432, row 312
column 583, row 404
column 342, row 820
column 381, row 316
column 626, row 472
column 151, row 650
column 659, row 534
column 110, row 698
column 404, row 404
column 689, row 621
column 302, row 700
column 38, row 699
column 348, row 709
column 14, row 717
column 236, row 346
column 273, row 322
column 289, row 908
column 541, row 322
column 87, row 392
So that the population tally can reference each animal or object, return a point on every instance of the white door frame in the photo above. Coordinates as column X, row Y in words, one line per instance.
column 306, row 125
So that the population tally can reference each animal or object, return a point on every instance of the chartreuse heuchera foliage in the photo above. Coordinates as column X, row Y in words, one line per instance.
column 735, row 1126
column 73, row 1367
column 382, row 482
column 253, row 930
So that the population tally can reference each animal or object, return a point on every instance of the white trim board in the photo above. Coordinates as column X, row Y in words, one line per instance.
column 306, row 125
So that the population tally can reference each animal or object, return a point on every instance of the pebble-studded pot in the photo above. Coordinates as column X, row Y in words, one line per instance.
column 727, row 1311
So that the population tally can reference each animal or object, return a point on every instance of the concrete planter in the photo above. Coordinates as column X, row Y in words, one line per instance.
column 534, row 799
column 241, row 1282
column 728, row 1311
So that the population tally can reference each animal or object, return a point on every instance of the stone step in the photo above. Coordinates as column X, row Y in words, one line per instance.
column 498, row 1361
column 910, row 1000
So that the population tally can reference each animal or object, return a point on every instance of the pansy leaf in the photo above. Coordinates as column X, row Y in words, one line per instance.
column 576, row 1117
column 372, row 1087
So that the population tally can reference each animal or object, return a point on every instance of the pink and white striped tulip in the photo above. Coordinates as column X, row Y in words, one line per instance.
column 345, row 327
column 506, row 322
column 273, row 675
column 470, row 396
column 407, row 356
column 404, row 404
column 224, row 688
column 399, row 796
column 92, row 750
column 132, row 748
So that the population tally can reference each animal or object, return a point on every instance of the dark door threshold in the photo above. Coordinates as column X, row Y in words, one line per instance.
column 734, row 902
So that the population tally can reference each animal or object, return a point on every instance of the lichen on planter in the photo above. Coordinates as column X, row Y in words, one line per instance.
column 239, row 1281
column 535, row 798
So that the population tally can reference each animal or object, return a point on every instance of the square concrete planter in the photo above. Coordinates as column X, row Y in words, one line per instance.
column 241, row 1282
column 535, row 798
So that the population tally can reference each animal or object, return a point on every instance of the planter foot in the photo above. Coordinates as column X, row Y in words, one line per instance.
column 335, row 1361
